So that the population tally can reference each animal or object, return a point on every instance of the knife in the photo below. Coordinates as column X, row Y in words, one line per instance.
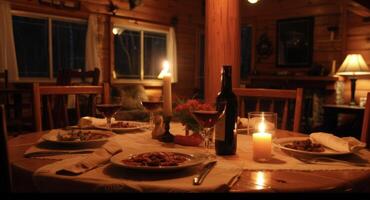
column 201, row 176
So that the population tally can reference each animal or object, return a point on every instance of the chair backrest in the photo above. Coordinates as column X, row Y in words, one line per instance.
column 39, row 91
column 274, row 97
column 365, row 134
column 69, row 77
column 4, row 75
column 66, row 76
column 6, row 180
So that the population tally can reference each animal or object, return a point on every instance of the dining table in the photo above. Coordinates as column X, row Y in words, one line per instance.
column 254, row 177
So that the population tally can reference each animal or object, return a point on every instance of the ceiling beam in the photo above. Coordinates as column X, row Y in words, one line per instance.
column 360, row 7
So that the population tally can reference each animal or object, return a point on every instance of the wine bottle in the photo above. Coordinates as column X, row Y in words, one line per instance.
column 225, row 135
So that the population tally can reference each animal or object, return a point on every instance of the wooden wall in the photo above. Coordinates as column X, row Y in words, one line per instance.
column 189, row 20
column 263, row 16
column 358, row 41
column 353, row 34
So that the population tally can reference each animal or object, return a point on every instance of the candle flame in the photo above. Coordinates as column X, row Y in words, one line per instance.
column 262, row 126
column 165, row 69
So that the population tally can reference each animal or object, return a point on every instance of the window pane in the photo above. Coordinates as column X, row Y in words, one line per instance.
column 31, row 44
column 68, row 45
column 154, row 53
column 127, row 54
column 245, row 50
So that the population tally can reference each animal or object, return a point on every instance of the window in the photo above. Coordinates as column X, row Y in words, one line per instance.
column 139, row 52
column 245, row 51
column 46, row 44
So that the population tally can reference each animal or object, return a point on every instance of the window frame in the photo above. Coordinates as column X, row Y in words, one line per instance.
column 135, row 25
column 49, row 18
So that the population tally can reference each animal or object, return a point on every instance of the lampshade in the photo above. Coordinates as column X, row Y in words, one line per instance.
column 354, row 64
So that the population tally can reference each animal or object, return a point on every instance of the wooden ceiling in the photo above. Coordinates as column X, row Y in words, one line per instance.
column 360, row 7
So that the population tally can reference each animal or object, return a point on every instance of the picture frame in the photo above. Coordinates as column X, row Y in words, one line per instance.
column 294, row 46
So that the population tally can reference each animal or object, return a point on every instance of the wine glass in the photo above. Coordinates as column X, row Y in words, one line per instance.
column 207, row 120
column 151, row 106
column 109, row 110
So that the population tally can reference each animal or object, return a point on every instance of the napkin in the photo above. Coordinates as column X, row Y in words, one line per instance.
column 93, row 121
column 344, row 144
column 98, row 157
column 245, row 122
column 242, row 122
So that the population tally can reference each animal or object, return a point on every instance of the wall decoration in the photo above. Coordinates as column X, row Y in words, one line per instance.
column 295, row 42
column 264, row 47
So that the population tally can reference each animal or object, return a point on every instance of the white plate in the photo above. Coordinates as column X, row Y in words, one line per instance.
column 52, row 136
column 135, row 126
column 193, row 160
column 280, row 142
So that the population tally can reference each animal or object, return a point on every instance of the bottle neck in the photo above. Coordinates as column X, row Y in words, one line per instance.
column 226, row 82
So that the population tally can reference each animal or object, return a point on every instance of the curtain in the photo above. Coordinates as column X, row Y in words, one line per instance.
column 91, row 51
column 172, row 48
column 8, row 59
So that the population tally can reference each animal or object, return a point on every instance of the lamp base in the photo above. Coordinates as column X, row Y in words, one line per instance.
column 353, row 90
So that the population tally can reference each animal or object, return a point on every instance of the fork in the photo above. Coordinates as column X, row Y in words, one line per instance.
column 318, row 159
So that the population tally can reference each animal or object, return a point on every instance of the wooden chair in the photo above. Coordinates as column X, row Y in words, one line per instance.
column 6, row 180
column 273, row 96
column 365, row 134
column 39, row 91
column 5, row 83
column 69, row 77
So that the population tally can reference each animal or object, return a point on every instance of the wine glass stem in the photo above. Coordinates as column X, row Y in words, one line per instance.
column 109, row 121
column 151, row 119
column 207, row 138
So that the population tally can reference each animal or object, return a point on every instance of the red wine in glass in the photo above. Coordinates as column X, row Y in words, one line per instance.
column 108, row 111
column 151, row 107
column 207, row 119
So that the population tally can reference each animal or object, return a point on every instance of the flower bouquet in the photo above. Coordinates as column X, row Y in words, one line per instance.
column 183, row 113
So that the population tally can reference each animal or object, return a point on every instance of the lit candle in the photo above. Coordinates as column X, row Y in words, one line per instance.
column 166, row 92
column 261, row 143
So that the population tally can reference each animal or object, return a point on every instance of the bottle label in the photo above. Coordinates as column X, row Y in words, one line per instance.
column 220, row 129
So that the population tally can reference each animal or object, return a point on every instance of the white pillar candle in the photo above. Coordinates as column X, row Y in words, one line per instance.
column 261, row 144
column 167, row 96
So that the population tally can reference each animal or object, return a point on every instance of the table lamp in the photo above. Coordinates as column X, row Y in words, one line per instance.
column 352, row 66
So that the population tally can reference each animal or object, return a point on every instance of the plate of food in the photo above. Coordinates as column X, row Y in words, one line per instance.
column 124, row 126
column 77, row 136
column 158, row 160
column 304, row 145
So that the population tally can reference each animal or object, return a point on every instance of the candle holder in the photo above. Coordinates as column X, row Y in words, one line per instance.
column 255, row 118
column 262, row 126
column 167, row 136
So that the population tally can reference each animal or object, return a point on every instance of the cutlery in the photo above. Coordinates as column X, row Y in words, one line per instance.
column 203, row 173
column 328, row 159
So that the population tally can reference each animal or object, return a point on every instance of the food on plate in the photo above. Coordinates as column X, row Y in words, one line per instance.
column 189, row 140
column 123, row 124
column 305, row 145
column 156, row 159
column 82, row 135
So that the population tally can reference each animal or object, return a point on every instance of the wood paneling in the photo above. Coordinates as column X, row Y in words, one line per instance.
column 327, row 13
column 358, row 41
column 222, row 46
column 187, row 12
